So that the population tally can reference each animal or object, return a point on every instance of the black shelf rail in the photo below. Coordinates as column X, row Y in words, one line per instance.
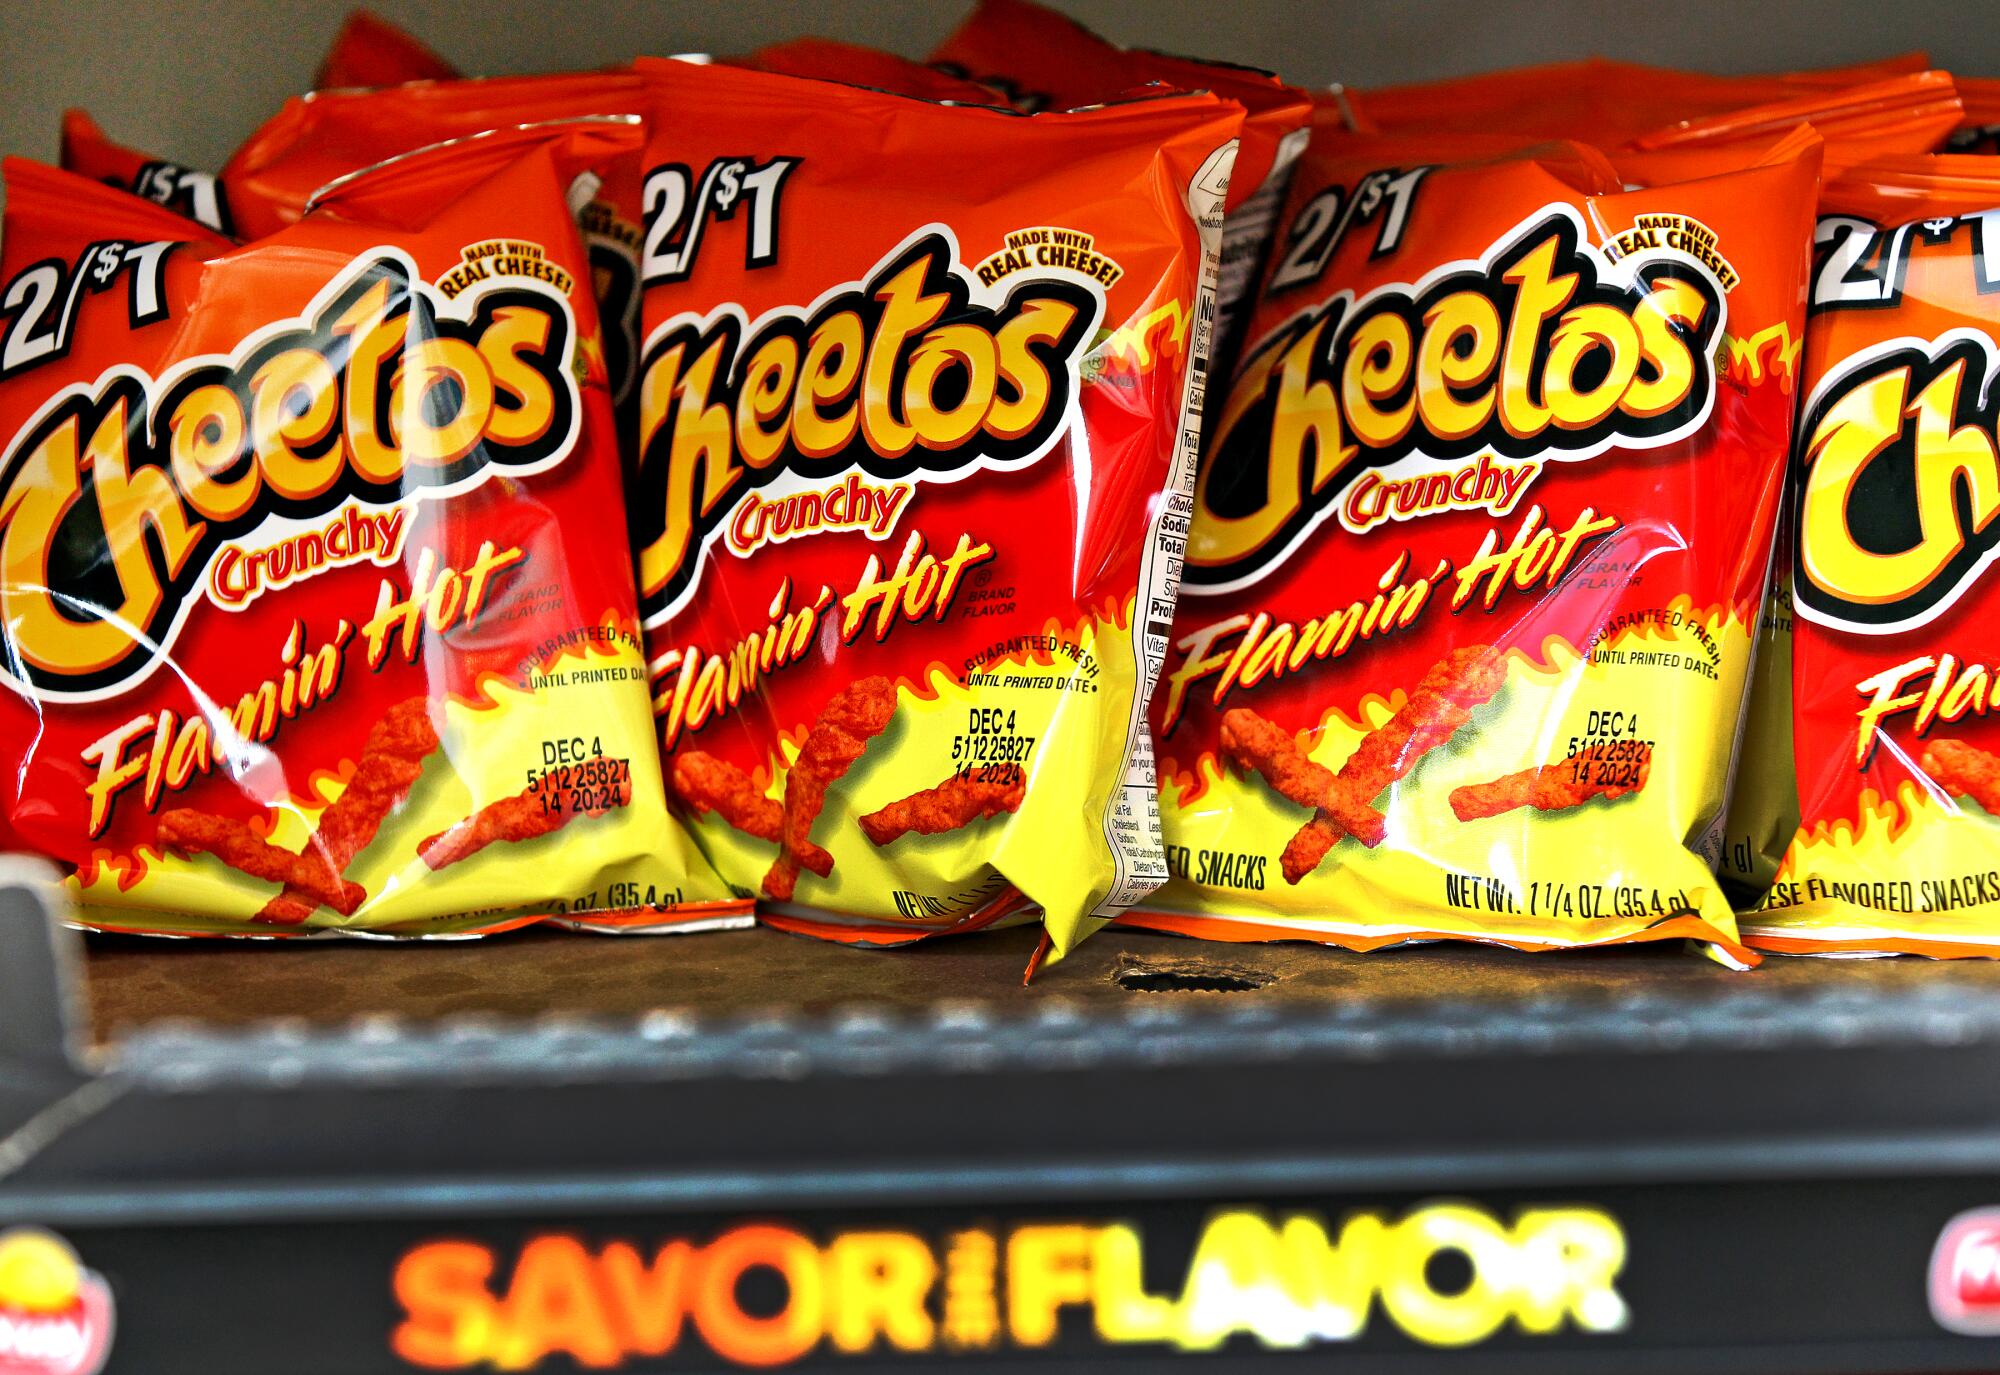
column 1744, row 1175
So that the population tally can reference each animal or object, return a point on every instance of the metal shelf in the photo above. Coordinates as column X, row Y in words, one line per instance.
column 1778, row 1152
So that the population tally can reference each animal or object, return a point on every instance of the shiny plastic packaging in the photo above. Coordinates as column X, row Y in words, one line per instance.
column 1979, row 131
column 328, row 134
column 1889, row 112
column 918, row 434
column 1466, row 620
column 1910, row 112
column 1903, row 114
column 317, row 609
column 1046, row 61
column 1897, row 484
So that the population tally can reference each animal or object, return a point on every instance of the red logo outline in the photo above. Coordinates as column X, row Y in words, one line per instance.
column 72, row 1340
column 1965, row 1298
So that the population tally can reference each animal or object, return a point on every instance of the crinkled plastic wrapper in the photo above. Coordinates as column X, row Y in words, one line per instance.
column 328, row 134
column 918, row 433
column 1044, row 60
column 1896, row 487
column 89, row 152
column 1477, row 557
column 1909, row 113
column 317, row 609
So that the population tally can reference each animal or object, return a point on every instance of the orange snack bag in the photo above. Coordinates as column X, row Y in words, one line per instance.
column 326, row 134
column 1901, row 114
column 1894, row 476
column 1979, row 131
column 1467, row 615
column 913, row 471
column 311, row 569
column 1913, row 112
column 1904, row 112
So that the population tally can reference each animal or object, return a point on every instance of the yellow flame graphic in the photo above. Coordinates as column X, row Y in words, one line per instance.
column 1771, row 352
column 1134, row 341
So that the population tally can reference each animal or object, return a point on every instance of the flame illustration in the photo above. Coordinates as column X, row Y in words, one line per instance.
column 1879, row 826
column 300, row 807
column 1187, row 783
column 1134, row 343
column 1771, row 352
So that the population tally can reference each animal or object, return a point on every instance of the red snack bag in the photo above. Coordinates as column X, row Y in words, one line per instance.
column 328, row 134
column 822, row 59
column 1903, row 114
column 296, row 565
column 1907, row 112
column 1896, row 483
column 914, row 452
column 370, row 51
column 1045, row 60
column 1466, row 621
column 89, row 152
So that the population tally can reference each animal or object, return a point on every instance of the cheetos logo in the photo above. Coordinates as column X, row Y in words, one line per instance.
column 1900, row 483
column 117, row 495
column 918, row 372
column 1544, row 348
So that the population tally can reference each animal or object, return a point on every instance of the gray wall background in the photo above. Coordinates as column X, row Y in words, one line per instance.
column 187, row 79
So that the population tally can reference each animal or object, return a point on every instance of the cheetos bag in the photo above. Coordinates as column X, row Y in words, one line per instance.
column 912, row 489
column 1477, row 557
column 316, row 609
column 88, row 151
column 1979, row 130
column 328, row 134
column 1896, row 489
column 1909, row 113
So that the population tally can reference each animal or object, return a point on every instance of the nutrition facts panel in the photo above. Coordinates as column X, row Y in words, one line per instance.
column 1133, row 823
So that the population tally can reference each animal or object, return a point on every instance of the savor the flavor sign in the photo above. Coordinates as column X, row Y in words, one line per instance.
column 768, row 1293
